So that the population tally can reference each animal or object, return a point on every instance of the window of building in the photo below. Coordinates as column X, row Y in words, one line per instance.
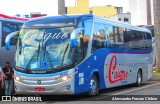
column 119, row 19
column 90, row 11
column 119, row 10
column 126, row 19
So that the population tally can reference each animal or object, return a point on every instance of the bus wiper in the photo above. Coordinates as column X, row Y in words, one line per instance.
column 32, row 58
column 49, row 58
column 65, row 53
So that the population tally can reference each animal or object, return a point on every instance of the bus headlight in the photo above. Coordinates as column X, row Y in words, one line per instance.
column 65, row 78
column 17, row 78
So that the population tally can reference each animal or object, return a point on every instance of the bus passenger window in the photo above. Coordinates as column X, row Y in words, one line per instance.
column 79, row 50
column 98, row 40
column 86, row 41
column 7, row 28
column 99, row 37
column 116, row 37
column 134, row 40
column 138, row 40
column 82, row 46
column 148, row 40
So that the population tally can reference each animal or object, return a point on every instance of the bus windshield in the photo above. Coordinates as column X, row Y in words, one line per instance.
column 44, row 48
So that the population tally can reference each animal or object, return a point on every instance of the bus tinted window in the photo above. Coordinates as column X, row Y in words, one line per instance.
column 148, row 36
column 99, row 36
column 106, row 36
column 86, row 36
column 116, row 38
column 134, row 39
column 151, row 28
column 7, row 28
column 82, row 40
column 120, row 34
column 148, row 40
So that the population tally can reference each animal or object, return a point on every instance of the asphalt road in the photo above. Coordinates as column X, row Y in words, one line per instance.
column 148, row 89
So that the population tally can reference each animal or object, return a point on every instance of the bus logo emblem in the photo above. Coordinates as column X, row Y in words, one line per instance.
column 119, row 74
column 39, row 82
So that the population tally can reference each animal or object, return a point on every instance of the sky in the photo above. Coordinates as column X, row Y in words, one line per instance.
column 49, row 7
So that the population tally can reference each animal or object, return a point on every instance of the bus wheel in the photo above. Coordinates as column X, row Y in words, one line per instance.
column 139, row 78
column 94, row 86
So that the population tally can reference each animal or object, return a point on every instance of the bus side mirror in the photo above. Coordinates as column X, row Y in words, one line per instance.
column 73, row 43
column 74, row 36
column 7, row 41
column 8, row 44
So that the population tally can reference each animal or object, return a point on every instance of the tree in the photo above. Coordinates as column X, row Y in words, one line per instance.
column 149, row 17
column 61, row 7
column 156, row 7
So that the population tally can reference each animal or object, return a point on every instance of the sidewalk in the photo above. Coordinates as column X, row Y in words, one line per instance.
column 155, row 76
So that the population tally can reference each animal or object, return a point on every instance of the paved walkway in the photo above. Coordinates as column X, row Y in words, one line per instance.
column 155, row 76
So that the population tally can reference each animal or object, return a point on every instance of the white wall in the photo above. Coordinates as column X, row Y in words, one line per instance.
column 138, row 11
column 152, row 15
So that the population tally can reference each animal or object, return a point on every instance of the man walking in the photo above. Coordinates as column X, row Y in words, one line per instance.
column 8, row 77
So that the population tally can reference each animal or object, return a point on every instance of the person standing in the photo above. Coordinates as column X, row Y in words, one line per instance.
column 8, row 78
column 1, row 82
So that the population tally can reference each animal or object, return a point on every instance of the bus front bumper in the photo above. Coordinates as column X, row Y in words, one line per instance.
column 62, row 87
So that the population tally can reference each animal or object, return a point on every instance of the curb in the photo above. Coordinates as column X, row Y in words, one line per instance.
column 155, row 78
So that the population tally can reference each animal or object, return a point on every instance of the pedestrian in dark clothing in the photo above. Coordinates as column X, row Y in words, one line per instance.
column 1, row 83
column 8, row 78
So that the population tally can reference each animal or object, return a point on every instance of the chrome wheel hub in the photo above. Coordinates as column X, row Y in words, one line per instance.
column 93, row 85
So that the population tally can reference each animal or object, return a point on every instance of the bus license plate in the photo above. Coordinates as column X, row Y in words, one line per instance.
column 39, row 89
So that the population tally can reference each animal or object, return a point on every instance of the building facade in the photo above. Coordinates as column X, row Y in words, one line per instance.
column 82, row 7
column 104, row 11
column 139, row 11
column 124, row 17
